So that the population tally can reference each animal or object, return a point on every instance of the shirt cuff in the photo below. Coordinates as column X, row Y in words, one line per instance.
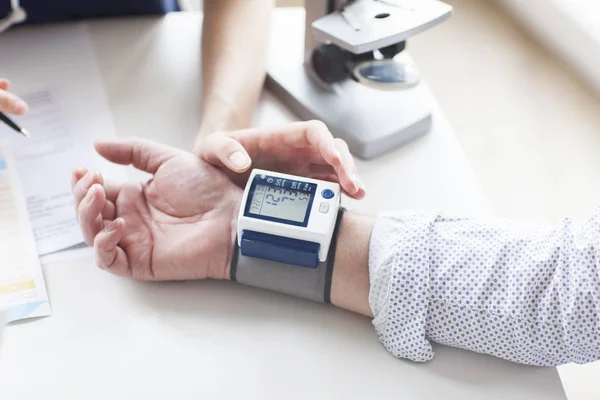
column 400, row 283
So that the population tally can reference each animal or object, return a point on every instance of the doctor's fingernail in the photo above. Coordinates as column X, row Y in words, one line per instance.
column 337, row 154
column 361, row 185
column 19, row 107
column 239, row 160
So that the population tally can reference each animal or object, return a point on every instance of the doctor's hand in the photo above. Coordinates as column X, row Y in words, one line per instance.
column 179, row 225
column 9, row 103
column 301, row 148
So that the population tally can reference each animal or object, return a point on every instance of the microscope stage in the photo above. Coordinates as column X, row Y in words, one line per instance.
column 367, row 25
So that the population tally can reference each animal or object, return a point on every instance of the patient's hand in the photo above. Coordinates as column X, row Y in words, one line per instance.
column 9, row 103
column 179, row 225
column 302, row 148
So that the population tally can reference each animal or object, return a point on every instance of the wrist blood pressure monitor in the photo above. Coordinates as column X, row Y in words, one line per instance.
column 286, row 234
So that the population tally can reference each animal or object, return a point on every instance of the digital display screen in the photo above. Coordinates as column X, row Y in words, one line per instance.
column 280, row 202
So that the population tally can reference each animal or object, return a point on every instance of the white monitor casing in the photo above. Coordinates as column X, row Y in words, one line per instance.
column 320, row 225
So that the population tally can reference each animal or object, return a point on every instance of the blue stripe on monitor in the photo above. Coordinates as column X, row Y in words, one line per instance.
column 280, row 249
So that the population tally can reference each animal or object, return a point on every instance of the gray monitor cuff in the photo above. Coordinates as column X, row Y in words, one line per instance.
column 308, row 283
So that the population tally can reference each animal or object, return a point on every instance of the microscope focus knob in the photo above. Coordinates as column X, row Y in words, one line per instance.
column 329, row 63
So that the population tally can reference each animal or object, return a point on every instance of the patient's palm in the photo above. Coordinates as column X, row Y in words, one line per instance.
column 179, row 225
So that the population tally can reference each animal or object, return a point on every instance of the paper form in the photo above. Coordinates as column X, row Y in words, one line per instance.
column 45, row 162
column 22, row 287
column 2, row 323
column 67, row 112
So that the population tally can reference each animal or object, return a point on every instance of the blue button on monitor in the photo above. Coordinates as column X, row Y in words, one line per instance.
column 327, row 194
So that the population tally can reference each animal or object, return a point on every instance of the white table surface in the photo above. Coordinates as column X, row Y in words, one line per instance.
column 115, row 338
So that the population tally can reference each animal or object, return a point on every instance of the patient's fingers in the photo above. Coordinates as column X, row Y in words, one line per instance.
column 143, row 154
column 110, row 188
column 76, row 176
column 81, row 187
column 89, row 213
column 109, row 255
column 109, row 211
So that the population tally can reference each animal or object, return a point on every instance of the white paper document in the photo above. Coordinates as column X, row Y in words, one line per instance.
column 3, row 321
column 67, row 112
column 44, row 163
column 22, row 287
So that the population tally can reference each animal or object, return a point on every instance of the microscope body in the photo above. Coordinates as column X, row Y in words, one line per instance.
column 354, row 74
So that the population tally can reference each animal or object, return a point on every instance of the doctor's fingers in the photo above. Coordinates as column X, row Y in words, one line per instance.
column 360, row 190
column 219, row 148
column 269, row 141
column 89, row 213
column 11, row 104
column 109, row 255
column 326, row 149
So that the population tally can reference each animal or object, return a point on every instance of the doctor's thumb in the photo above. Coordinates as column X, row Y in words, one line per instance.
column 222, row 149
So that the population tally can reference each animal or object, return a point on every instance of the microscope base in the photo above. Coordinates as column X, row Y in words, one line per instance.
column 371, row 121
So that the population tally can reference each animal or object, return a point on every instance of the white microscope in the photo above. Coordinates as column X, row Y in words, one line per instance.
column 356, row 76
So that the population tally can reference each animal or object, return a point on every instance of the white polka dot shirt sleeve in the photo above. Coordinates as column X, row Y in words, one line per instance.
column 529, row 294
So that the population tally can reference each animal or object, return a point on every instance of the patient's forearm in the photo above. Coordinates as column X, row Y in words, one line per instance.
column 234, row 48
